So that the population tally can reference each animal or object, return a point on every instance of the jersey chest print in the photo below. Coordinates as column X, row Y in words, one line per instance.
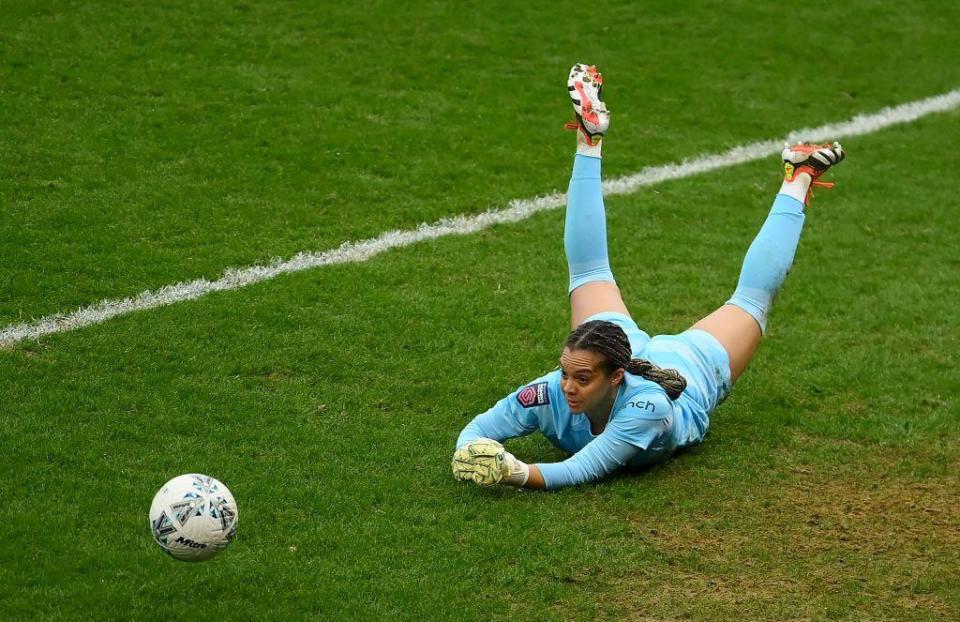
column 534, row 395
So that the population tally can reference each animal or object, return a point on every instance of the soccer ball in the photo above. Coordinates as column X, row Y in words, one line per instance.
column 193, row 517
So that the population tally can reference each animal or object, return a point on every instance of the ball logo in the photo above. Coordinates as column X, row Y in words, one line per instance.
column 190, row 543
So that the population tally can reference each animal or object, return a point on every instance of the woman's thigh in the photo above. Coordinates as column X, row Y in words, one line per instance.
column 737, row 332
column 593, row 298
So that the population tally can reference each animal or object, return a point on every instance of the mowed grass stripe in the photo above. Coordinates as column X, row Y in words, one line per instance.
column 520, row 209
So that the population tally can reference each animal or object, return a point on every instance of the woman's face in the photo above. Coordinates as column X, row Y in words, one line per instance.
column 584, row 382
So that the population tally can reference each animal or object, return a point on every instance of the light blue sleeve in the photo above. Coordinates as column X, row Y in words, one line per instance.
column 632, row 429
column 514, row 415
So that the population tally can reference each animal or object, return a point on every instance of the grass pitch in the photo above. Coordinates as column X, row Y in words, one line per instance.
column 144, row 146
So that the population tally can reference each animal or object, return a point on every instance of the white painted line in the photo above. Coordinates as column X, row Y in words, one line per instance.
column 517, row 210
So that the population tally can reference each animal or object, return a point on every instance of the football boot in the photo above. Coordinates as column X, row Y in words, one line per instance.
column 585, row 86
column 812, row 159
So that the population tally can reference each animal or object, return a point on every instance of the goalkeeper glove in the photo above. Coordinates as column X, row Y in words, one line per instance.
column 485, row 462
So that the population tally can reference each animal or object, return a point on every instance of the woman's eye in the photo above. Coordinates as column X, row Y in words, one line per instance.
column 583, row 381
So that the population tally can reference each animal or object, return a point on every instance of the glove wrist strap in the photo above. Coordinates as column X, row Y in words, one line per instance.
column 519, row 473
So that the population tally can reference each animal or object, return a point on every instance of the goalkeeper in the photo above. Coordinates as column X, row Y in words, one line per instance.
column 619, row 397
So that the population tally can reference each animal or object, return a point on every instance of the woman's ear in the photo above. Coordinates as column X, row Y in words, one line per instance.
column 616, row 378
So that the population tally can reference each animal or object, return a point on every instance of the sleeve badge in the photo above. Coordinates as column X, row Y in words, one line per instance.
column 534, row 395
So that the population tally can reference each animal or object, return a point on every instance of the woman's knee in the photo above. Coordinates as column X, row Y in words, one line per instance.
column 595, row 297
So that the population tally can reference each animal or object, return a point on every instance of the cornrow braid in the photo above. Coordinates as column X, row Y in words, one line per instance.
column 609, row 340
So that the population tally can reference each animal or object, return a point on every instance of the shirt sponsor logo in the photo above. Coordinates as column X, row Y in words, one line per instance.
column 534, row 395
column 642, row 405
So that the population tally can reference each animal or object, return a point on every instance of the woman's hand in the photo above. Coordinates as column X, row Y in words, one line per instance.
column 485, row 462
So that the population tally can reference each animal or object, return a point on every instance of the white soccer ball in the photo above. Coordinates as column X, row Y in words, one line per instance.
column 193, row 517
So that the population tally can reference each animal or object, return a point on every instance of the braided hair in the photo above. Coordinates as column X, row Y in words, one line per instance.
column 609, row 340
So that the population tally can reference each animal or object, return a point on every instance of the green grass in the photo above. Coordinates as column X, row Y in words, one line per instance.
column 148, row 145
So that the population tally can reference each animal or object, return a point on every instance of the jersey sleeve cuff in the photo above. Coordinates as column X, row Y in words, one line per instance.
column 554, row 474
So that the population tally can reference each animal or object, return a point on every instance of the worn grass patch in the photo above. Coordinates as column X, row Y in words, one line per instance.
column 853, row 543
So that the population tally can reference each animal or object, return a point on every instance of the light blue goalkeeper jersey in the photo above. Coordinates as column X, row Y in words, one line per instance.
column 645, row 425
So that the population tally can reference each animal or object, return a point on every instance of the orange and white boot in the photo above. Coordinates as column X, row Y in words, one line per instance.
column 585, row 85
column 812, row 159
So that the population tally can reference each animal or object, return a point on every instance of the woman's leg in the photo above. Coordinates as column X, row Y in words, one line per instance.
column 740, row 324
column 738, row 333
column 592, row 286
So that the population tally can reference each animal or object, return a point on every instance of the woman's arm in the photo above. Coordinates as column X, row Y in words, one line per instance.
column 485, row 461
column 535, row 481
column 514, row 415
column 627, row 434
column 498, row 423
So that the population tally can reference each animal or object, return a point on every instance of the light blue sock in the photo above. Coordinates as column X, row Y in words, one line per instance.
column 769, row 258
column 585, row 229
